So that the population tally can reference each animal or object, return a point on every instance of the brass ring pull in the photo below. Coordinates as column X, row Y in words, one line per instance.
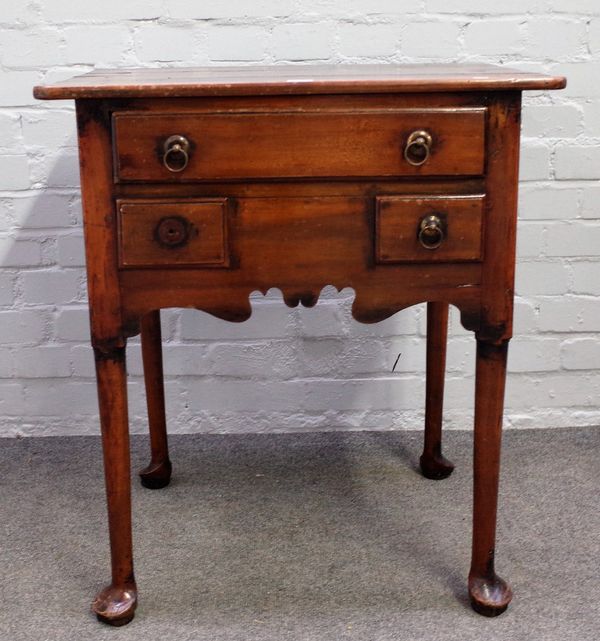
column 176, row 153
column 431, row 232
column 418, row 148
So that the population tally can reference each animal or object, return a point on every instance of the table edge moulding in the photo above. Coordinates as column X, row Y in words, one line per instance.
column 200, row 186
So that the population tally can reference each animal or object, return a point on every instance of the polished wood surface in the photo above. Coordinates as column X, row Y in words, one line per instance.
column 397, row 218
column 349, row 143
column 172, row 233
column 203, row 186
column 295, row 79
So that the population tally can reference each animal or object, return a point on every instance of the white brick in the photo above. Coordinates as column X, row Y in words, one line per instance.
column 404, row 392
column 44, row 361
column 551, row 121
column 14, row 173
column 340, row 357
column 533, row 354
column 19, row 253
column 30, row 49
column 268, row 320
column 590, row 206
column 270, row 359
column 19, row 12
column 158, row 43
column 535, row 162
column 555, row 39
column 581, row 163
column 594, row 36
column 586, row 277
column 61, row 397
column 547, row 202
column 525, row 317
column 530, row 239
column 7, row 365
column 552, row 390
column 43, row 287
column 591, row 118
column 7, row 287
column 573, row 6
column 541, row 278
column 239, row 9
column 217, row 395
column 18, row 327
column 188, row 360
column 105, row 11
column 57, row 171
column 95, row 45
column 494, row 37
column 302, row 41
column 368, row 40
column 81, row 358
column 574, row 239
column 578, row 76
column 417, row 39
column 581, row 353
column 41, row 211
column 73, row 324
column 483, row 7
column 570, row 314
column 11, row 399
column 71, row 251
column 11, row 138
column 236, row 43
column 460, row 356
column 51, row 129
column 325, row 319
column 21, row 85
column 401, row 323
column 361, row 8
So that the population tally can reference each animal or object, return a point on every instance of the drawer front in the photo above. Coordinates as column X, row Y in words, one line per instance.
column 176, row 234
column 388, row 143
column 428, row 228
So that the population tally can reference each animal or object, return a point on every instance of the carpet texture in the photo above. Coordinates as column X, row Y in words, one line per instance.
column 328, row 536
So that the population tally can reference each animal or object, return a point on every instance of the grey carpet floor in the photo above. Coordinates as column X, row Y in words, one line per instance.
column 329, row 536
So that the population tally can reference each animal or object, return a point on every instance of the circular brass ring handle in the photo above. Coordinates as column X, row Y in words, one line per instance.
column 418, row 148
column 172, row 232
column 176, row 153
column 431, row 232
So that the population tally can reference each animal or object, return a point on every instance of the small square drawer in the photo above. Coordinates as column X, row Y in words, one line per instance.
column 154, row 233
column 429, row 228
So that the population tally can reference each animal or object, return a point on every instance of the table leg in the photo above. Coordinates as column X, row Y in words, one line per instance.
column 116, row 603
column 433, row 464
column 490, row 595
column 158, row 473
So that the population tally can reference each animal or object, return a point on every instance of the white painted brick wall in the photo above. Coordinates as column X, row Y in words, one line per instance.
column 301, row 369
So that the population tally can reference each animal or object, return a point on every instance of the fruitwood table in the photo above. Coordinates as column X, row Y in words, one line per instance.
column 202, row 185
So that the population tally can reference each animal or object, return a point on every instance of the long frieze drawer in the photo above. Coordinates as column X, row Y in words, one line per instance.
column 169, row 147
column 428, row 228
column 176, row 234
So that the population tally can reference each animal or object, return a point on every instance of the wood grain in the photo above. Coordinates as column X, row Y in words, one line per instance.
column 295, row 79
column 397, row 224
column 287, row 144
column 205, row 241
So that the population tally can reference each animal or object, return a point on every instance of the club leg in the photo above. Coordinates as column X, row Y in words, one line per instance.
column 489, row 594
column 116, row 603
column 157, row 473
column 433, row 464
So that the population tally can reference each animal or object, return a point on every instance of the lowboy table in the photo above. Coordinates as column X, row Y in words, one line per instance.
column 202, row 185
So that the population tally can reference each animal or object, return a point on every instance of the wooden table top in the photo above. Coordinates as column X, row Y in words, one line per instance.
column 294, row 79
